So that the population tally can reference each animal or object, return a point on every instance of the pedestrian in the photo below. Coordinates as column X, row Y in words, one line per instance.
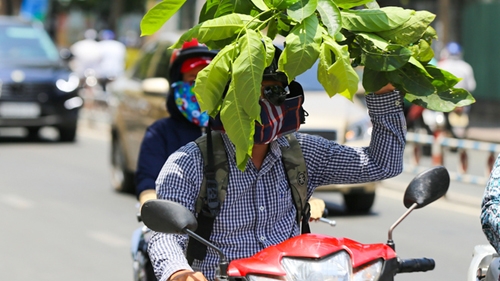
column 258, row 210
column 452, row 61
column 86, row 55
column 113, row 52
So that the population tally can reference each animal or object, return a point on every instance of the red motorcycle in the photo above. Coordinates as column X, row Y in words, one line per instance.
column 312, row 256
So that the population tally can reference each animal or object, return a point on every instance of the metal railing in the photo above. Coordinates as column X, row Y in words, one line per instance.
column 460, row 146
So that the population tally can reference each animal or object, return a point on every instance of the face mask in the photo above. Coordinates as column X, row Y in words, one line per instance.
column 187, row 104
column 277, row 120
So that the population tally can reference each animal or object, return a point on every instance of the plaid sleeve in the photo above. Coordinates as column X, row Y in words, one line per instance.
column 179, row 181
column 332, row 163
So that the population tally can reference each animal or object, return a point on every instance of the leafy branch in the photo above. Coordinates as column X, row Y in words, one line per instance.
column 391, row 43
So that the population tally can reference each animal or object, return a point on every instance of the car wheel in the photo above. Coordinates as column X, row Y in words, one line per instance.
column 121, row 178
column 67, row 134
column 359, row 203
column 33, row 133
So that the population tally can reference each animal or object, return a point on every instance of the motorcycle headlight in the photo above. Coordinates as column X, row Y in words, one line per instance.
column 369, row 272
column 334, row 268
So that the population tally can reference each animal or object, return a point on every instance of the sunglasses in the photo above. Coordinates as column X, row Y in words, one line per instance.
column 275, row 94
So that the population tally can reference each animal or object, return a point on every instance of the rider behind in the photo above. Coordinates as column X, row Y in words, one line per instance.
column 258, row 210
column 185, row 123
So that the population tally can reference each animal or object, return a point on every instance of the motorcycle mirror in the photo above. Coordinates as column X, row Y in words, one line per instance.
column 167, row 216
column 427, row 187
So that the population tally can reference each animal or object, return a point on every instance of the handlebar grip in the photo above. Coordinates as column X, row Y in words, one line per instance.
column 414, row 265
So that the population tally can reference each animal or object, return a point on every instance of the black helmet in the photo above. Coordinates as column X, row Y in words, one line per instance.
column 271, row 72
column 190, row 49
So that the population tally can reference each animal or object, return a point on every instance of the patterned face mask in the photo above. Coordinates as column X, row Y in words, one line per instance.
column 187, row 104
column 277, row 120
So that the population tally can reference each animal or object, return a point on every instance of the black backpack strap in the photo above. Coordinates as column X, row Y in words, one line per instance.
column 296, row 171
column 212, row 191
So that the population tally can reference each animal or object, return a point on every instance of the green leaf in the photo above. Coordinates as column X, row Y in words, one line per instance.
column 347, row 4
column 429, row 35
column 241, row 105
column 242, row 6
column 260, row 5
column 375, row 20
column 443, row 101
column 302, row 9
column 410, row 31
column 239, row 127
column 380, row 56
column 422, row 51
column 268, row 42
column 374, row 80
column 330, row 16
column 218, row 29
column 335, row 72
column 372, row 5
column 219, row 44
column 442, row 79
column 159, row 15
column 208, row 11
column 420, row 66
column 280, row 4
column 272, row 28
column 411, row 80
column 282, row 25
column 213, row 79
column 301, row 48
column 225, row 7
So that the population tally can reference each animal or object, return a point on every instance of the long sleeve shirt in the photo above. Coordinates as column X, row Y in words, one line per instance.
column 490, row 207
column 161, row 139
column 258, row 210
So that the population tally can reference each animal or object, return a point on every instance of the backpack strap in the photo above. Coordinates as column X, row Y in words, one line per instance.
column 296, row 171
column 212, row 191
column 214, row 185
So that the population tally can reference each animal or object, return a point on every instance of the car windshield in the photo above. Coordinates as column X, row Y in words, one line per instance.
column 19, row 43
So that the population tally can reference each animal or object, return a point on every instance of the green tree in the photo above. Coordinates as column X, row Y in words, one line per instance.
column 391, row 43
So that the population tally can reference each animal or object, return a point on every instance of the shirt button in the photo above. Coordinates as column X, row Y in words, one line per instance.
column 261, row 208
column 262, row 238
column 398, row 103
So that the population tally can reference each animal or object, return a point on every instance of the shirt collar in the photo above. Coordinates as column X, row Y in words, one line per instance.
column 275, row 146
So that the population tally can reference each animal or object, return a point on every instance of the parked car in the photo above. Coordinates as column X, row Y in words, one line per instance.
column 37, row 88
column 138, row 99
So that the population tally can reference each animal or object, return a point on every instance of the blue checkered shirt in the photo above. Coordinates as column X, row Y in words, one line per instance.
column 258, row 210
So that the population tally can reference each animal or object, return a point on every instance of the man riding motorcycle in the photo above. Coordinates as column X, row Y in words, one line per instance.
column 258, row 210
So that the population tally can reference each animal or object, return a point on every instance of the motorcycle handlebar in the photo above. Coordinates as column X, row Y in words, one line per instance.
column 414, row 265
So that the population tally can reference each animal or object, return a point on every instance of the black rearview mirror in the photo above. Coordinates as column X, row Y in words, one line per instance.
column 167, row 216
column 427, row 187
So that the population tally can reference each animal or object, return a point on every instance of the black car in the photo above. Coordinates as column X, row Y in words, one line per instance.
column 37, row 88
